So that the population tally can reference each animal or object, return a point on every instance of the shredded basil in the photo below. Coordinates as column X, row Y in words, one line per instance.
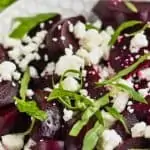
column 125, row 71
column 130, row 6
column 5, row 3
column 89, row 112
column 122, row 27
column 89, row 26
column 118, row 116
column 28, row 23
column 92, row 136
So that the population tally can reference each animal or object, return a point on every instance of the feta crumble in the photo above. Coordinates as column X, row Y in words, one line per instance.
column 67, row 114
column 111, row 139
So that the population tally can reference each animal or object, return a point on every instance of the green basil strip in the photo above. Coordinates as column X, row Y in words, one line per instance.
column 130, row 6
column 89, row 112
column 24, row 84
column 57, row 93
column 30, row 108
column 118, row 116
column 92, row 136
column 89, row 26
column 134, row 94
column 5, row 3
column 122, row 27
column 99, row 116
column 75, row 72
column 125, row 71
column 28, row 23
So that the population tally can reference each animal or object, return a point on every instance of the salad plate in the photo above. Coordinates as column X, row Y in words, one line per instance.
column 75, row 75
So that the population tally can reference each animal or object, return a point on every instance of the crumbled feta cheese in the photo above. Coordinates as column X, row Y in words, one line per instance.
column 30, row 93
column 130, row 109
column 104, row 73
column 71, row 27
column 49, row 69
column 137, row 42
column 13, row 141
column 47, row 89
column 147, row 132
column 97, row 24
column 109, row 120
column 7, row 70
column 68, row 51
column 67, row 114
column 110, row 30
column 91, row 39
column 33, row 72
column 84, row 92
column 70, row 84
column 68, row 62
column 45, row 57
column 79, row 30
column 111, row 139
column 11, row 42
column 2, row 146
column 120, row 101
column 16, row 75
column 138, row 129
column 31, row 143
column 144, row 74
column 144, row 92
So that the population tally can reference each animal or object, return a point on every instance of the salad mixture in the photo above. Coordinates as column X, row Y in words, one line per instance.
column 71, row 84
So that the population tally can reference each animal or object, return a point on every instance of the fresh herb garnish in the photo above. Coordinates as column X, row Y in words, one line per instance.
column 92, row 136
column 130, row 6
column 134, row 94
column 28, row 23
column 5, row 3
column 24, row 84
column 118, row 116
column 99, row 117
column 122, row 27
column 125, row 71
column 89, row 26
column 88, row 113
column 31, row 108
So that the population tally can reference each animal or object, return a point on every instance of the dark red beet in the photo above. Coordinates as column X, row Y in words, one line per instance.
column 53, row 126
column 56, row 48
column 7, row 93
column 8, row 118
column 134, row 143
column 114, row 14
column 49, row 145
column 2, row 54
column 91, row 78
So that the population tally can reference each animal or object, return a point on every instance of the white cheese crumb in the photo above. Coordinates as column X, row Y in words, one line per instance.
column 79, row 30
column 7, row 70
column 84, row 92
column 144, row 92
column 109, row 120
column 70, row 84
column 147, row 132
column 67, row 114
column 137, row 42
column 13, row 141
column 49, row 69
column 47, row 89
column 11, row 42
column 33, row 72
column 120, row 101
column 145, row 74
column 138, row 129
column 97, row 24
column 69, row 62
column 2, row 146
column 71, row 27
column 30, row 93
column 111, row 139
column 16, row 75
column 29, row 144
column 45, row 57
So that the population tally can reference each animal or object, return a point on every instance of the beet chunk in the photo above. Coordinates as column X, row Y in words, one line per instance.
column 7, row 92
column 114, row 12
column 59, row 37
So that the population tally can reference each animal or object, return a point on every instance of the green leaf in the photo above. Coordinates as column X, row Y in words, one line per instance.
column 130, row 6
column 24, row 84
column 5, row 3
column 122, row 27
column 99, row 116
column 88, row 113
column 134, row 94
column 118, row 116
column 89, row 26
column 28, row 23
column 30, row 108
column 125, row 71
column 92, row 136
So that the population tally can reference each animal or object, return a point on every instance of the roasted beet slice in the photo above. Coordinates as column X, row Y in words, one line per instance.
column 93, row 76
column 46, row 144
column 8, row 118
column 2, row 54
column 53, row 126
column 7, row 92
column 114, row 12
column 134, row 143
column 59, row 37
